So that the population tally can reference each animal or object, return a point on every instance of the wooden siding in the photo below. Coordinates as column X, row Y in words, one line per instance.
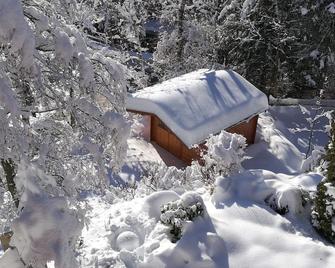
column 246, row 129
column 165, row 138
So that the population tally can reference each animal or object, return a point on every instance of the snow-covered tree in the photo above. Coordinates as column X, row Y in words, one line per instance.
column 256, row 42
column 119, row 25
column 62, row 125
column 189, row 37
column 283, row 47
column 318, row 20
column 323, row 214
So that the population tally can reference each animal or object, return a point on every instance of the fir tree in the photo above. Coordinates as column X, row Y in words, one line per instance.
column 323, row 214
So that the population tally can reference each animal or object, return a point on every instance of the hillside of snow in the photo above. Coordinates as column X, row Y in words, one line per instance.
column 240, row 227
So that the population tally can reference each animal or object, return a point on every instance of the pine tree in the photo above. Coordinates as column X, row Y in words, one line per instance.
column 312, row 68
column 189, row 39
column 323, row 214
column 256, row 42
column 285, row 48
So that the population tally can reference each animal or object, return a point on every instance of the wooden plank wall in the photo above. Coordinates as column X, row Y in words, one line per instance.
column 246, row 129
column 165, row 138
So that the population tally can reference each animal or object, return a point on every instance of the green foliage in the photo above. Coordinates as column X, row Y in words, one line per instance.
column 323, row 213
column 283, row 47
column 176, row 214
column 330, row 157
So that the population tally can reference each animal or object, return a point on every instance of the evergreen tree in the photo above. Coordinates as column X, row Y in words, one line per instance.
column 257, row 42
column 189, row 39
column 323, row 214
column 285, row 48
column 314, row 26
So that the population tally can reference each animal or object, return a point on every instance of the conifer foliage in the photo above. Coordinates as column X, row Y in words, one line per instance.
column 323, row 215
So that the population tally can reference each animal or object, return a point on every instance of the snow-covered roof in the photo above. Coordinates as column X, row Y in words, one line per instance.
column 200, row 103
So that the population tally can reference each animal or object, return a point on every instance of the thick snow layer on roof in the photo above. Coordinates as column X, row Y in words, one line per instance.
column 200, row 103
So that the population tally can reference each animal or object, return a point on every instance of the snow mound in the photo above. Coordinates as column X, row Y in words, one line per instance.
column 121, row 235
column 128, row 240
column 11, row 259
column 265, row 239
column 262, row 187
column 189, row 199
column 281, row 143
column 200, row 103
column 152, row 204
column 199, row 247
column 308, row 182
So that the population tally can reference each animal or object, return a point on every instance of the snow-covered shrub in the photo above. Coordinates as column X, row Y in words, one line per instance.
column 313, row 161
column 223, row 156
column 154, row 177
column 7, row 210
column 153, row 203
column 157, row 177
column 263, row 187
column 46, row 230
column 288, row 200
column 137, row 126
column 122, row 191
column 323, row 214
column 177, row 213
column 314, row 154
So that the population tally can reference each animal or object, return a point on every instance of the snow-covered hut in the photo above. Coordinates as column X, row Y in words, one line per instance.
column 184, row 111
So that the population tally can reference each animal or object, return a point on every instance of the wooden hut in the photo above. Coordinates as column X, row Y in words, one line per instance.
column 184, row 111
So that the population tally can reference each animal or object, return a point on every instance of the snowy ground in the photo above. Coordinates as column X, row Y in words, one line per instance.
column 282, row 139
column 240, row 234
column 140, row 154
column 239, row 229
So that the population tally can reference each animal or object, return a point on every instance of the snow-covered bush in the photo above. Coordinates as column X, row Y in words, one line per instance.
column 288, row 200
column 157, row 177
column 137, row 126
column 314, row 153
column 223, row 156
column 313, row 161
column 177, row 213
column 46, row 228
column 153, row 203
column 323, row 214
column 7, row 210
column 263, row 187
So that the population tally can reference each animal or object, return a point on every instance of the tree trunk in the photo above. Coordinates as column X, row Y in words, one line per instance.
column 180, row 29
